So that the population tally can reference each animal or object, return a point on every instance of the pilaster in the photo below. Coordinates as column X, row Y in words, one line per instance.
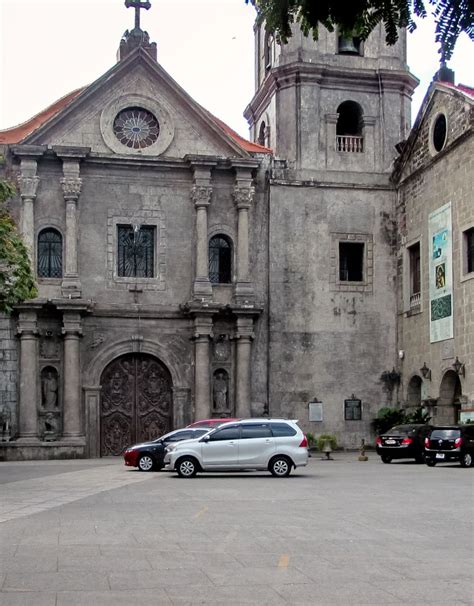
column 72, row 331
column 28, row 181
column 201, row 195
column 244, row 336
column 71, row 184
column 202, row 388
column 28, row 389
column 244, row 193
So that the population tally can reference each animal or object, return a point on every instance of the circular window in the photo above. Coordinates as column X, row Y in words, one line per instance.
column 136, row 127
column 439, row 132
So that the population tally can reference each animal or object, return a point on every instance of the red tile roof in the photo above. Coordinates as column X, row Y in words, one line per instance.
column 16, row 134
column 467, row 90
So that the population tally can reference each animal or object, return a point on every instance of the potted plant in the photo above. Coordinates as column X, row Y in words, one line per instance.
column 327, row 443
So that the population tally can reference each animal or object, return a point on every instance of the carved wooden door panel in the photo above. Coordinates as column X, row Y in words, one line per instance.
column 135, row 403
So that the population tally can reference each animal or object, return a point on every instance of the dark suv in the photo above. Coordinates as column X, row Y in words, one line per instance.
column 403, row 442
column 450, row 443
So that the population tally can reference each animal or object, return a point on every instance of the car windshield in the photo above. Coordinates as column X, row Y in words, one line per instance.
column 445, row 434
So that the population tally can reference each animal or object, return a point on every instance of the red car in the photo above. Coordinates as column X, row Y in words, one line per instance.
column 211, row 423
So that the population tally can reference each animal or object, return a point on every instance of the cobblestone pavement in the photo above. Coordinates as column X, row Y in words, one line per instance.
column 336, row 533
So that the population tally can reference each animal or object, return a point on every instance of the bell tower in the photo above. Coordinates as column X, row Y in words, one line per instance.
column 332, row 104
column 332, row 111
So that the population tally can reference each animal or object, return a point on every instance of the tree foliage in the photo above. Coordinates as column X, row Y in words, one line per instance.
column 361, row 16
column 16, row 277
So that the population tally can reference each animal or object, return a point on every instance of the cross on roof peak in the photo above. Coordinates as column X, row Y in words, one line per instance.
column 137, row 5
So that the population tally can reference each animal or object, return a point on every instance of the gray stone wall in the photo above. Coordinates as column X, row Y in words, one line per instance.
column 329, row 339
column 8, row 369
column 429, row 181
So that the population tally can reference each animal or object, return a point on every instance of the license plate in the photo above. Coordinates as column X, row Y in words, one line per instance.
column 439, row 455
column 390, row 441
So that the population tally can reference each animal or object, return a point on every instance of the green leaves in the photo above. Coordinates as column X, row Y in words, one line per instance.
column 362, row 16
column 16, row 277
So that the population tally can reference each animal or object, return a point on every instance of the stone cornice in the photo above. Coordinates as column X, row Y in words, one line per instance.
column 69, row 151
column 297, row 73
column 29, row 151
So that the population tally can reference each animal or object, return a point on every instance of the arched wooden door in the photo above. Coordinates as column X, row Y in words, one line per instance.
column 136, row 402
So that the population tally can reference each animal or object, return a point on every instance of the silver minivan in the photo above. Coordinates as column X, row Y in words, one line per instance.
column 276, row 445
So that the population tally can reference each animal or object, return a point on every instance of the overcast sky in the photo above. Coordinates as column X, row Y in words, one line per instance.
column 51, row 47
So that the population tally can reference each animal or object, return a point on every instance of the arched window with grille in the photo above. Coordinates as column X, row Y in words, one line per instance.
column 220, row 260
column 50, row 254
column 349, row 127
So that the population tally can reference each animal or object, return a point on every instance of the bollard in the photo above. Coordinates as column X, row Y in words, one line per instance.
column 362, row 455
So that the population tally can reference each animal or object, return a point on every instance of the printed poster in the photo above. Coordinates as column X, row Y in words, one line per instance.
column 440, row 274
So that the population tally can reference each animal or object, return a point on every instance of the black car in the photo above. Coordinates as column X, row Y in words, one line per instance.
column 403, row 442
column 149, row 456
column 450, row 443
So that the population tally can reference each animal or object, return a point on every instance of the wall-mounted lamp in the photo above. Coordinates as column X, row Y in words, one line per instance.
column 425, row 372
column 458, row 367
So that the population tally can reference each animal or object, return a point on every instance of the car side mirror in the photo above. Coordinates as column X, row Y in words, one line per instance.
column 205, row 439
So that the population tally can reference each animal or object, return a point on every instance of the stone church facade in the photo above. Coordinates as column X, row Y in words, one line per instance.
column 185, row 273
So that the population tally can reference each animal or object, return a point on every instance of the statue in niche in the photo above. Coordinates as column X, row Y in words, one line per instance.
column 5, row 423
column 50, row 433
column 220, row 390
column 50, row 390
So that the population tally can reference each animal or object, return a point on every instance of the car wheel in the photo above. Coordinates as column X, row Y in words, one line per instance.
column 280, row 467
column 186, row 467
column 386, row 459
column 430, row 462
column 466, row 460
column 145, row 463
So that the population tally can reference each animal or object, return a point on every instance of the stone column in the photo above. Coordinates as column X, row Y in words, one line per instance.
column 71, row 184
column 72, row 332
column 29, row 397
column 244, row 194
column 28, row 185
column 202, row 387
column 244, row 337
column 201, row 194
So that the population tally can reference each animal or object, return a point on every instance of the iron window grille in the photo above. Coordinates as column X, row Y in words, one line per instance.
column 136, row 251
column 220, row 260
column 50, row 254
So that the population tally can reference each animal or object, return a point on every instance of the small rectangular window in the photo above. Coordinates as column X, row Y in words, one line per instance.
column 351, row 261
column 415, row 275
column 469, row 250
column 136, row 251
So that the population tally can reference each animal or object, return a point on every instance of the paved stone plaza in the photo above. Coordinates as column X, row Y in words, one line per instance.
column 91, row 532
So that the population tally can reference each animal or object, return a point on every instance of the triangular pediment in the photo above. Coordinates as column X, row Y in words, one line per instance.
column 184, row 127
column 452, row 106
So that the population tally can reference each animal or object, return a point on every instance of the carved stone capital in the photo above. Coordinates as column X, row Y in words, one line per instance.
column 28, row 186
column 243, row 196
column 71, row 187
column 72, row 325
column 201, row 195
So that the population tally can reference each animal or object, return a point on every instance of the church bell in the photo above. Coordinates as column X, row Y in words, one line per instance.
column 347, row 46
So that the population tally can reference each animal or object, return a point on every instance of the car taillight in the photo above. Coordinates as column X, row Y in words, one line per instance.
column 378, row 441
column 457, row 442
column 427, row 442
column 407, row 441
column 304, row 442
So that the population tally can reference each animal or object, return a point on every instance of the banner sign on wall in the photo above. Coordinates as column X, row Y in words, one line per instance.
column 440, row 274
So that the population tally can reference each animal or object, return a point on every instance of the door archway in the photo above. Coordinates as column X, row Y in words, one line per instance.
column 449, row 401
column 136, row 402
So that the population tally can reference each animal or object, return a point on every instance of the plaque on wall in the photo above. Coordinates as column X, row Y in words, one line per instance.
column 316, row 411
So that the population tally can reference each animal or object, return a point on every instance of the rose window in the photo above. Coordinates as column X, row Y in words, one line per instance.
column 136, row 127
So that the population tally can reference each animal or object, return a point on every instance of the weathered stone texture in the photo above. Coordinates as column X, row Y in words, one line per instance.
column 8, row 368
